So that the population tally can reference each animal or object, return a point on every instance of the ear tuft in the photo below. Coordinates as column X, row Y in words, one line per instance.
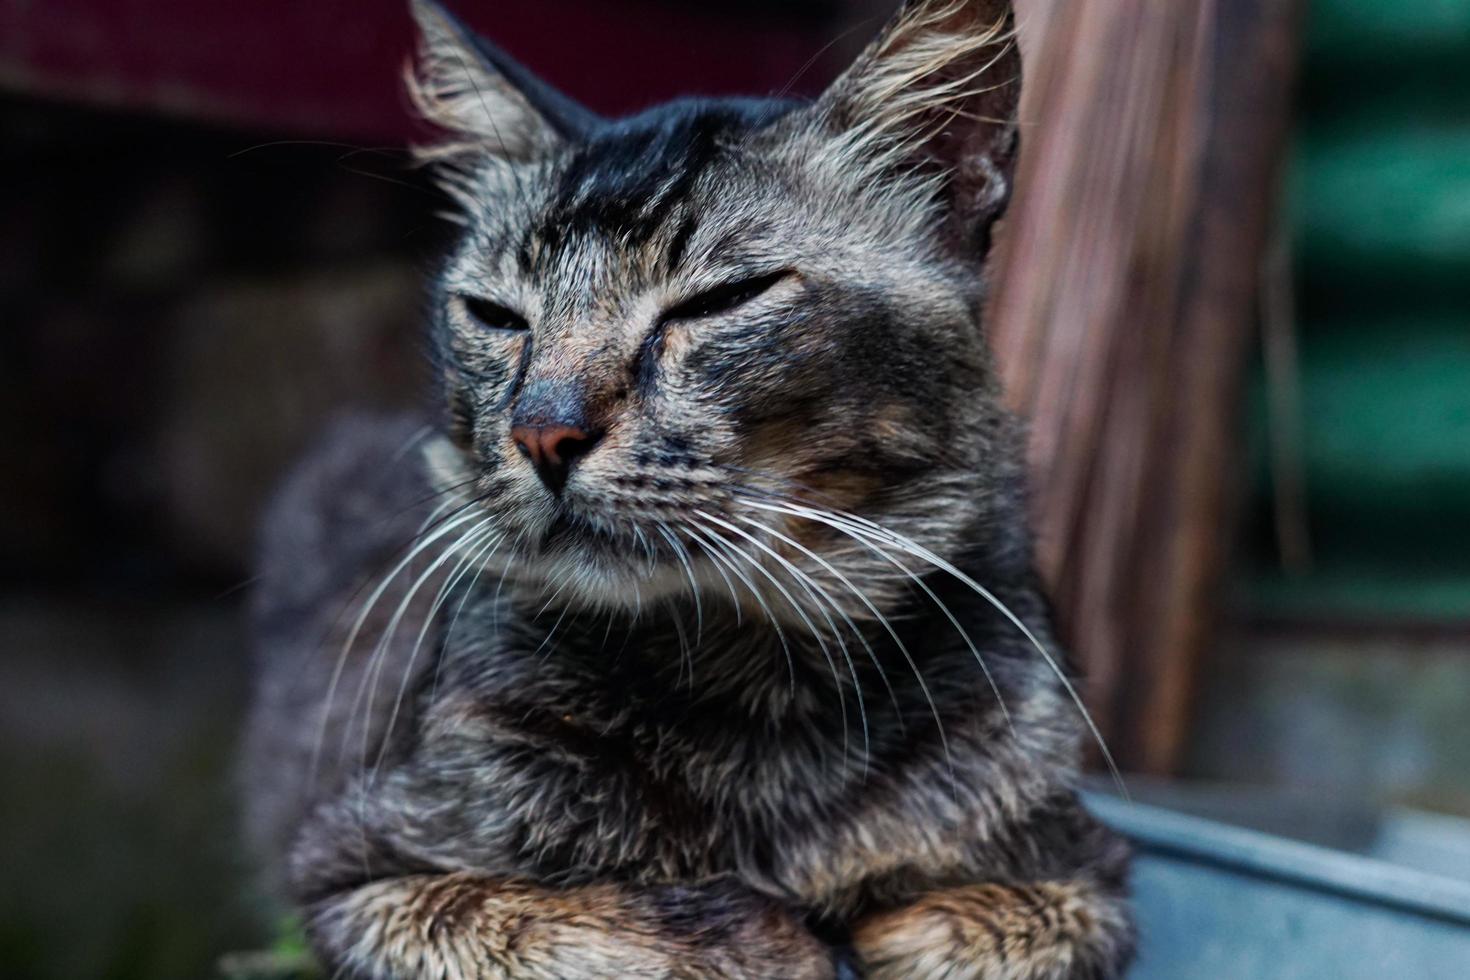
column 937, row 91
column 482, row 100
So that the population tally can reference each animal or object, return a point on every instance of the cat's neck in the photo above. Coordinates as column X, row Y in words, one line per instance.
column 767, row 665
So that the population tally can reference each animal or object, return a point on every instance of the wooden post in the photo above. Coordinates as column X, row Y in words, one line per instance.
column 1124, row 304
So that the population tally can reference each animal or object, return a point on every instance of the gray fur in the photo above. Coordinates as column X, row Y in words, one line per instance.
column 730, row 700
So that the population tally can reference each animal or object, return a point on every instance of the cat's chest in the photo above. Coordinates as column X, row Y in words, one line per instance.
column 570, row 792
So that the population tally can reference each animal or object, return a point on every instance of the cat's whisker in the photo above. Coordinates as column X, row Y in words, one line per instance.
column 637, row 602
column 686, row 655
column 801, row 613
column 456, row 520
column 481, row 561
column 816, row 592
column 943, row 608
column 347, row 603
column 714, row 547
column 412, row 546
column 546, row 647
column 368, row 687
column 560, row 578
column 781, row 590
column 861, row 596
column 719, row 569
column 861, row 525
column 434, row 514
column 469, row 591
column 424, row 526
column 565, row 579
column 476, row 548
column 647, row 546
column 474, row 522
column 423, row 432
column 923, row 687
column 682, row 554
column 612, row 619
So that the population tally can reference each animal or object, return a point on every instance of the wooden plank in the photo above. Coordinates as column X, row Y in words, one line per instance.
column 1122, row 310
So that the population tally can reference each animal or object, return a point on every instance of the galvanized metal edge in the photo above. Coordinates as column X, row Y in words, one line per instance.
column 1166, row 832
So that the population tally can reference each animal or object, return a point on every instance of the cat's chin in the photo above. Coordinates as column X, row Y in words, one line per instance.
column 604, row 575
column 597, row 566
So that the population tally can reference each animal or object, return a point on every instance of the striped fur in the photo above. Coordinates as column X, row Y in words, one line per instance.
column 766, row 687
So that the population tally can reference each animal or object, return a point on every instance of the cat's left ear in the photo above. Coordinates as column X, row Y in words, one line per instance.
column 483, row 99
column 938, row 90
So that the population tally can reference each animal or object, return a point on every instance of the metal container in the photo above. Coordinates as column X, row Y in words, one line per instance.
column 1222, row 902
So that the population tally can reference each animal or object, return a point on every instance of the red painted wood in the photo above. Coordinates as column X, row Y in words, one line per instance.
column 331, row 68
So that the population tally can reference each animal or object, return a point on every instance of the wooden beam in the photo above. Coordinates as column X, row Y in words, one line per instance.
column 1123, row 308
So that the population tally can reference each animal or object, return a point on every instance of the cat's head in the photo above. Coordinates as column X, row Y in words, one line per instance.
column 709, row 342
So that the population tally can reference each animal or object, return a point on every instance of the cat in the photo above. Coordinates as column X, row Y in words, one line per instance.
column 694, row 634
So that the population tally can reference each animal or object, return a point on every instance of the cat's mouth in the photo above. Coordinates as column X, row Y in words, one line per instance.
column 604, row 558
column 570, row 528
column 573, row 530
column 603, row 544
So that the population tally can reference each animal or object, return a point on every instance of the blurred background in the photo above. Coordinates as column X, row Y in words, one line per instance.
column 1235, row 302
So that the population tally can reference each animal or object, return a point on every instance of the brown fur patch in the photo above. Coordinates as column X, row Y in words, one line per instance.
column 1044, row 931
column 484, row 928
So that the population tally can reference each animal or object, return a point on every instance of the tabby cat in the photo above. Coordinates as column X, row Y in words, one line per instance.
column 696, row 634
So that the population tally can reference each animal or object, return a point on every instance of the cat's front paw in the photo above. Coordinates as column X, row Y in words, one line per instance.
column 1043, row 931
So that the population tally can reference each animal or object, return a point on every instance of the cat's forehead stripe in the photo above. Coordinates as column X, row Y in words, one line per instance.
column 679, row 242
column 629, row 182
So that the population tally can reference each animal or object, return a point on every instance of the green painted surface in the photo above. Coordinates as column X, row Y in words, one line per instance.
column 1384, row 210
column 1386, row 413
column 1379, row 212
column 1386, row 446
column 1385, row 30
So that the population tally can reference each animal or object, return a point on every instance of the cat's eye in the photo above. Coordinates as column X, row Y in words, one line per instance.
column 491, row 315
column 723, row 298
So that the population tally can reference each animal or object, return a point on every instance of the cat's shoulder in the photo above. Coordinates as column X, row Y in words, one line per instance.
column 359, row 493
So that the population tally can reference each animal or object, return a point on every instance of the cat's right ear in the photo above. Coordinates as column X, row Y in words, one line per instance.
column 483, row 100
column 937, row 91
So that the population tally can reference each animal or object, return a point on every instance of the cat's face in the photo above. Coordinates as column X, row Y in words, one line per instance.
column 696, row 348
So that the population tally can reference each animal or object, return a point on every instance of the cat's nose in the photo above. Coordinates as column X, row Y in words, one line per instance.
column 552, row 449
